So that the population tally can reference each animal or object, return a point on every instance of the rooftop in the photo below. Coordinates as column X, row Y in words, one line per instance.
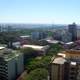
column 69, row 52
column 2, row 48
column 69, row 43
column 71, row 55
column 36, row 47
column 61, row 54
column 8, row 54
column 73, row 63
column 25, row 36
column 59, row 60
column 52, row 41
column 72, row 52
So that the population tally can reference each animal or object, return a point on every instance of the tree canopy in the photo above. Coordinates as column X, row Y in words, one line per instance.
column 38, row 74
column 38, row 63
column 29, row 52
column 54, row 49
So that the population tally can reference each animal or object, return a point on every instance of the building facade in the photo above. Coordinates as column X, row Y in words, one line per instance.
column 57, row 35
column 11, row 64
column 73, row 30
column 66, row 37
column 66, row 66
column 38, row 35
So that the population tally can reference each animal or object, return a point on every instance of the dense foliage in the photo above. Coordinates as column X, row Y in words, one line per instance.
column 54, row 49
column 35, row 63
column 41, row 62
column 38, row 74
column 6, row 37
column 29, row 52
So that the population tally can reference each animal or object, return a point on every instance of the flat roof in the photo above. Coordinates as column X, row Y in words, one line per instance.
column 59, row 60
column 8, row 54
column 73, row 63
column 1, row 48
column 72, row 52
column 25, row 36
column 34, row 47
column 69, row 43
column 53, row 41
column 62, row 54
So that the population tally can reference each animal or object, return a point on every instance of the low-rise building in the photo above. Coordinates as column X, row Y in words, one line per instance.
column 52, row 41
column 41, row 49
column 25, row 37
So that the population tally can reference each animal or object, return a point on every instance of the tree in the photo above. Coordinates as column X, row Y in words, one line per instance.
column 8, row 37
column 29, row 53
column 38, row 63
column 54, row 49
column 38, row 74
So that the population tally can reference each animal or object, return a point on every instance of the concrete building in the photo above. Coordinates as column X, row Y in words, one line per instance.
column 57, row 35
column 52, row 41
column 66, row 37
column 57, row 69
column 41, row 49
column 73, row 30
column 63, row 36
column 38, row 35
column 25, row 37
column 16, row 44
column 66, row 66
column 11, row 64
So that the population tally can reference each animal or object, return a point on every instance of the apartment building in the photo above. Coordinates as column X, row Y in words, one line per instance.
column 11, row 64
column 66, row 66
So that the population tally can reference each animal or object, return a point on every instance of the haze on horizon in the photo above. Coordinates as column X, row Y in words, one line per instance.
column 40, row 11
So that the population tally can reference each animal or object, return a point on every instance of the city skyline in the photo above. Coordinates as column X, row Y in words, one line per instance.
column 40, row 11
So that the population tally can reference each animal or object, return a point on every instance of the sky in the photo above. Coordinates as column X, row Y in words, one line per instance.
column 40, row 11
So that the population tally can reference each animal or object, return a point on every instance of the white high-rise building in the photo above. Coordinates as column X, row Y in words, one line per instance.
column 11, row 64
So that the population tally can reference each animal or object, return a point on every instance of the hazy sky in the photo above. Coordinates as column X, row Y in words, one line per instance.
column 40, row 11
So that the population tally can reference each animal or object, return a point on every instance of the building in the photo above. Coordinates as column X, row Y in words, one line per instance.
column 68, row 45
column 52, row 41
column 73, row 30
column 66, row 37
column 57, row 35
column 63, row 36
column 0, row 28
column 11, row 64
column 66, row 66
column 57, row 69
column 16, row 44
column 41, row 49
column 38, row 35
column 25, row 37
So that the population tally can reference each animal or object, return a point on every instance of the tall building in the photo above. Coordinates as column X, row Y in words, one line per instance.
column 38, row 35
column 66, row 66
column 57, row 35
column 66, row 37
column 63, row 36
column 0, row 28
column 73, row 30
column 57, row 69
column 11, row 64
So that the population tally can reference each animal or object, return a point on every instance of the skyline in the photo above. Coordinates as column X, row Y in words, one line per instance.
column 40, row 11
